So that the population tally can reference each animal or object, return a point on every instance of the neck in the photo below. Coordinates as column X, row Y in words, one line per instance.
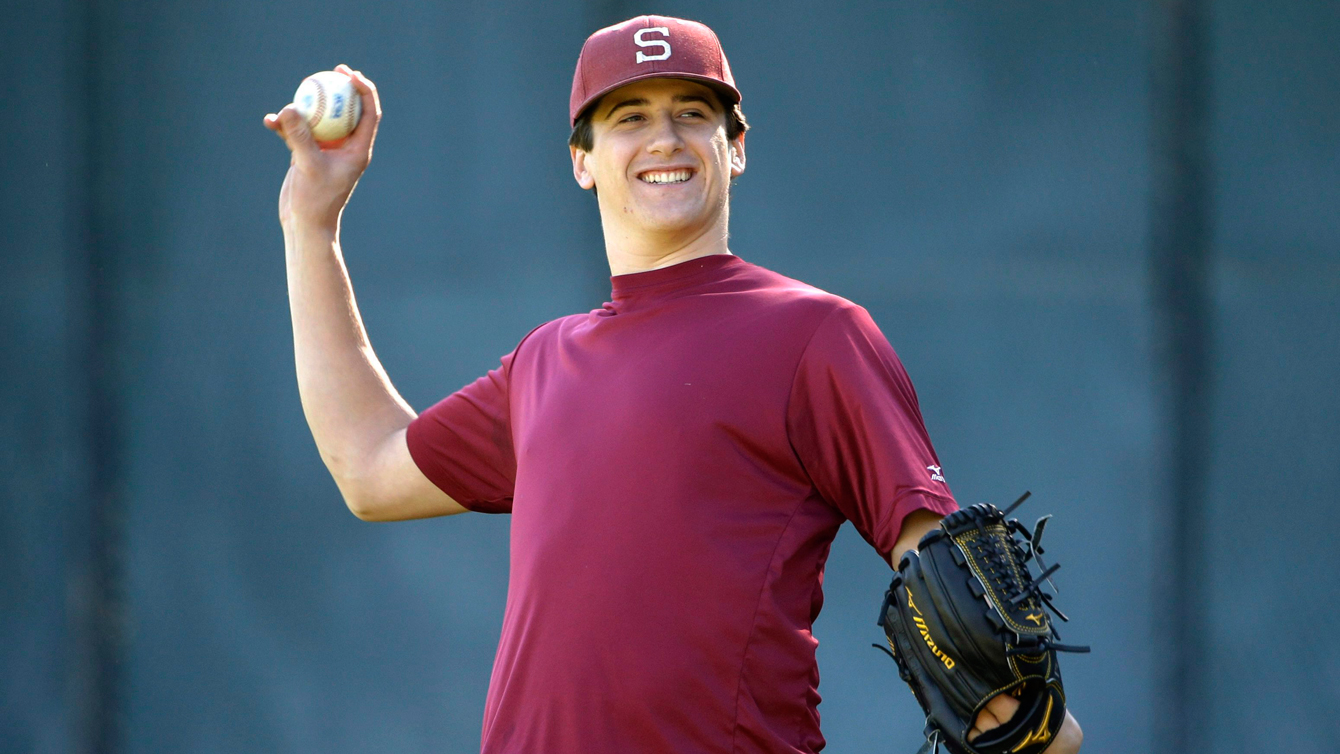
column 632, row 250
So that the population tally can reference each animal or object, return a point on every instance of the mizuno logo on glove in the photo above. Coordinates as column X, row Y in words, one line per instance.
column 926, row 633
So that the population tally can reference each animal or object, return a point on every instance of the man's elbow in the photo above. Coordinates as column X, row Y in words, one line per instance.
column 362, row 509
column 388, row 486
column 359, row 502
column 361, row 495
column 357, row 485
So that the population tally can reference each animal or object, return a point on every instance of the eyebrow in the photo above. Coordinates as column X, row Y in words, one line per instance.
column 640, row 102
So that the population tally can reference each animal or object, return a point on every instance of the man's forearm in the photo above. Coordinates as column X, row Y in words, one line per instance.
column 349, row 402
column 915, row 526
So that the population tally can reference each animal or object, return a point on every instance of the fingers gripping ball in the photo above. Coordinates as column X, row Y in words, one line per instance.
column 330, row 104
column 966, row 619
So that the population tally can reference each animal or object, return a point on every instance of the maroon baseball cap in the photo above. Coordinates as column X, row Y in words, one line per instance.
column 647, row 47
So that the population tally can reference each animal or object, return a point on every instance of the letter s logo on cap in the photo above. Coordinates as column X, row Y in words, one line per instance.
column 642, row 57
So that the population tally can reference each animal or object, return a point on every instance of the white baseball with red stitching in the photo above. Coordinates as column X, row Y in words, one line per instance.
column 330, row 103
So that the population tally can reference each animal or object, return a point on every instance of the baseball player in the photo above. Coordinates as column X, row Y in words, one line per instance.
column 676, row 462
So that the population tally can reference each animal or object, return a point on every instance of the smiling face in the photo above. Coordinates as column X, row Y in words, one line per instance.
column 661, row 161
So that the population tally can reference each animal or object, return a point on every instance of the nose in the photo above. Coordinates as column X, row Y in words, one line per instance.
column 665, row 139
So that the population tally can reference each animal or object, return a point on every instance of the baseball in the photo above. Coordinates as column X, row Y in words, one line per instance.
column 330, row 103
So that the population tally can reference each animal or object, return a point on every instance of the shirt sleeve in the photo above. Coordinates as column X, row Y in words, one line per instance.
column 856, row 426
column 463, row 444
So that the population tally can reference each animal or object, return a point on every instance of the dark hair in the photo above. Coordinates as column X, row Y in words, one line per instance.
column 583, row 135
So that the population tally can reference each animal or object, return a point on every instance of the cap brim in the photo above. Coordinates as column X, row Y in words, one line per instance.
column 731, row 94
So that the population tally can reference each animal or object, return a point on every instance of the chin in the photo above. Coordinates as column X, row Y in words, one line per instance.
column 670, row 223
column 667, row 219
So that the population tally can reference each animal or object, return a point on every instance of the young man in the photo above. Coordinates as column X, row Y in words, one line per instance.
column 676, row 463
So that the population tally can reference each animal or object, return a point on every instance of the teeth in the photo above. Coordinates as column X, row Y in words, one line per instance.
column 666, row 176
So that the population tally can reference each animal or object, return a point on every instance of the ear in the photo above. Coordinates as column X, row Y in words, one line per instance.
column 579, row 168
column 737, row 156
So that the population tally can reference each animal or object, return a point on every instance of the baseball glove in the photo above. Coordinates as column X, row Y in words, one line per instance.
column 966, row 620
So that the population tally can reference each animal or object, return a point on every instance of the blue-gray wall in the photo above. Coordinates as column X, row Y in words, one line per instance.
column 976, row 174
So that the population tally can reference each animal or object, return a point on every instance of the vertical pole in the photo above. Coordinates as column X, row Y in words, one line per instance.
column 98, row 604
column 1179, row 265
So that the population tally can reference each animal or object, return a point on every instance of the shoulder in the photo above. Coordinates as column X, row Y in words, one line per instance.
column 554, row 327
column 807, row 304
column 548, row 332
column 829, row 328
column 534, row 342
column 818, row 315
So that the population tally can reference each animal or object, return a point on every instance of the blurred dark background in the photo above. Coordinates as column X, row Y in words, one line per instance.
column 1104, row 238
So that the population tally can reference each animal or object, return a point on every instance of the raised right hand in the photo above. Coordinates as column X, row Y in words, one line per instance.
column 320, row 181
